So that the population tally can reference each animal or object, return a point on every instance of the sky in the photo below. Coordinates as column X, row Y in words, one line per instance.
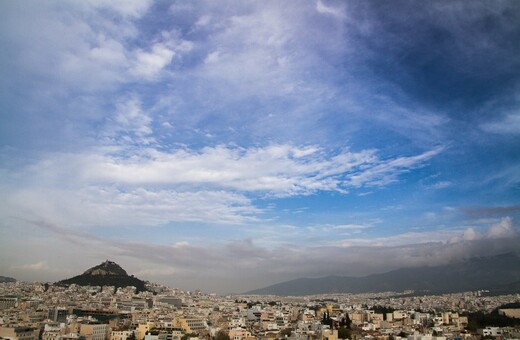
column 230, row 145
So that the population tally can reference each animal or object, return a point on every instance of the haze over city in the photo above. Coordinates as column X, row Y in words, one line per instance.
column 227, row 146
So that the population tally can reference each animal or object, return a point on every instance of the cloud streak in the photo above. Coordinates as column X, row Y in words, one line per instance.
column 211, row 185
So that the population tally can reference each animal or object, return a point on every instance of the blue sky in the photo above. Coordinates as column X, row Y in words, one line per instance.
column 230, row 145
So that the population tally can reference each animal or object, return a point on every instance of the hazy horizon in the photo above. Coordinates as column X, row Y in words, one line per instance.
column 227, row 146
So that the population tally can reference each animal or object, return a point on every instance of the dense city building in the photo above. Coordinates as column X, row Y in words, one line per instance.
column 34, row 311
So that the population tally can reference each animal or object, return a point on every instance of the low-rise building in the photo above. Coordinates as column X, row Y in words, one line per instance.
column 123, row 334
column 191, row 325
column 19, row 333
column 490, row 331
column 94, row 331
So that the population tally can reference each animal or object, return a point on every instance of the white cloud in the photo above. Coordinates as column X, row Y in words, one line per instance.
column 108, row 52
column 150, row 64
column 398, row 240
column 110, row 206
column 441, row 185
column 118, row 185
column 470, row 234
column 325, row 231
column 203, row 21
column 510, row 124
column 160, row 271
column 324, row 9
column 253, row 51
column 69, row 45
column 504, row 228
column 212, row 57
column 386, row 172
column 84, row 47
column 131, row 122
column 350, row 226
column 126, row 8
column 282, row 170
column 42, row 265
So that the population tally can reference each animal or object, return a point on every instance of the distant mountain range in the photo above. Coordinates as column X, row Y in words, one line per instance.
column 499, row 273
column 6, row 279
column 107, row 273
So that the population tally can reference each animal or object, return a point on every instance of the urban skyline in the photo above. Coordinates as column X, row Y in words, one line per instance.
column 228, row 146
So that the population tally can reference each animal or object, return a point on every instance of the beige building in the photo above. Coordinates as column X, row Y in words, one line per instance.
column 122, row 335
column 52, row 332
column 510, row 312
column 239, row 334
column 190, row 325
column 19, row 333
column 94, row 331
column 357, row 318
column 328, row 334
column 143, row 328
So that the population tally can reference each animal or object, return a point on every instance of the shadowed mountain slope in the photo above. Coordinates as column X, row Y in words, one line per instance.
column 6, row 279
column 501, row 271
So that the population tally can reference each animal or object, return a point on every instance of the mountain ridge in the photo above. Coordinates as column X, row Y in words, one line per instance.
column 6, row 279
column 107, row 273
column 471, row 274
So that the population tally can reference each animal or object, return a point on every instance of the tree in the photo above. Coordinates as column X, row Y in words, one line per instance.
column 131, row 337
column 345, row 322
column 189, row 335
column 286, row 332
column 344, row 332
column 326, row 320
column 222, row 335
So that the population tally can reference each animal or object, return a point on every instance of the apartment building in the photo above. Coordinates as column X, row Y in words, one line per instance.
column 19, row 333
column 94, row 331
column 191, row 325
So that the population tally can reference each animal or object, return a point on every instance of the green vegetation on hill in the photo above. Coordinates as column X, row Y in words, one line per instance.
column 106, row 280
column 106, row 274
column 480, row 319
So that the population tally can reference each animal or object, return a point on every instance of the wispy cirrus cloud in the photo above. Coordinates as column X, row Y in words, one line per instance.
column 283, row 170
column 508, row 124
column 212, row 185
column 105, row 189
column 108, row 206
column 385, row 173
column 339, row 230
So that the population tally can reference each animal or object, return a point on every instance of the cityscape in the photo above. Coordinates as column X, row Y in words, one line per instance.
column 260, row 169
column 32, row 311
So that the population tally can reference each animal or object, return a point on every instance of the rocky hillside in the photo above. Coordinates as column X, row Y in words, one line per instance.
column 107, row 273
